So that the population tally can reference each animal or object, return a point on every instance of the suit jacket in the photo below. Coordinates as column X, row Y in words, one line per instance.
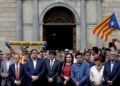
column 39, row 71
column 108, row 75
column 12, row 74
column 3, row 69
column 118, row 78
column 54, row 71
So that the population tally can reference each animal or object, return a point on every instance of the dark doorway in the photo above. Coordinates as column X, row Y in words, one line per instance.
column 59, row 28
column 59, row 37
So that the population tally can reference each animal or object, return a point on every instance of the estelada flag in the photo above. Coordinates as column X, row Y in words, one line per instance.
column 106, row 27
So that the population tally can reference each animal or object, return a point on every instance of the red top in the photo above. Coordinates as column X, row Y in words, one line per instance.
column 66, row 71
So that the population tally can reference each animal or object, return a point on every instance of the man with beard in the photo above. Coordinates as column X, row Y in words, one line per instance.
column 35, row 68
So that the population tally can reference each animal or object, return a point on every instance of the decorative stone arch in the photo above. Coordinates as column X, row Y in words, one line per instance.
column 77, row 18
column 62, row 5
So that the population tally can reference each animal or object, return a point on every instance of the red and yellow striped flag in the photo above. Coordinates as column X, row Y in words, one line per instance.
column 106, row 27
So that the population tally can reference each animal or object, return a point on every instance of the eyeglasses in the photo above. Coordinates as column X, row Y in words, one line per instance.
column 79, row 57
column 68, row 57
column 112, row 54
column 34, row 53
column 87, row 55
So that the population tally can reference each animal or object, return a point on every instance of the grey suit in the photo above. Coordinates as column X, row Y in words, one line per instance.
column 3, row 70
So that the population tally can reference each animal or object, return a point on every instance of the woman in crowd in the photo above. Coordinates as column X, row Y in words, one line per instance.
column 96, row 72
column 66, row 70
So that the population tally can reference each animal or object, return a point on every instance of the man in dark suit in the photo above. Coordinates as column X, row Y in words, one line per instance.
column 35, row 68
column 111, row 70
column 118, row 78
column 52, row 69
column 17, row 72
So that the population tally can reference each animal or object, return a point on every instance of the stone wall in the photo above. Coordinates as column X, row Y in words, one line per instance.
column 8, row 19
column 8, row 16
column 108, row 7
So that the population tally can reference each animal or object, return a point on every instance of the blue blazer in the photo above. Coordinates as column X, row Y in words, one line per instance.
column 12, row 75
column 108, row 75
column 39, row 71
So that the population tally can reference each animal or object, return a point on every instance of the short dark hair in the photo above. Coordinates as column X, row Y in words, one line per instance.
column 78, row 53
column 34, row 50
column 86, row 52
column 107, row 49
column 53, row 52
column 41, row 51
column 95, row 49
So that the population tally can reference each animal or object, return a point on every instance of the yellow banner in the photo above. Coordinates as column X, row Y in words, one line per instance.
column 28, row 43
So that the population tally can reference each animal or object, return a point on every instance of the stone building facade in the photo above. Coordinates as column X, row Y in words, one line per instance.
column 37, row 19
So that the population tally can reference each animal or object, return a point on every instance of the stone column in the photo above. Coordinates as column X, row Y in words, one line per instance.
column 35, row 20
column 99, row 42
column 83, row 28
column 78, row 36
column 19, row 20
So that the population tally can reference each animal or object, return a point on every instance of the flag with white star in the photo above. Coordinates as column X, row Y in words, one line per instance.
column 106, row 27
column 114, row 23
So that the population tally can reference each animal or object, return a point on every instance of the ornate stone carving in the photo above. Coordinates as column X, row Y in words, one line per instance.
column 59, row 15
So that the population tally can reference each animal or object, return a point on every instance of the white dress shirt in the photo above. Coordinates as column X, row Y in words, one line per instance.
column 34, row 63
column 8, row 64
column 112, row 64
column 95, row 75
column 52, row 62
column 74, row 60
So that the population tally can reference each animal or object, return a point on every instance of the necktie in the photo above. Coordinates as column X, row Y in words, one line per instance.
column 51, row 64
column 17, row 72
column 112, row 64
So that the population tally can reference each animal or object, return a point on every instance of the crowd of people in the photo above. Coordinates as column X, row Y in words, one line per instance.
column 91, row 67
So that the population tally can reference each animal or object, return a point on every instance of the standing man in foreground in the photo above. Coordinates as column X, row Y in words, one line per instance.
column 35, row 68
column 17, row 72
column 111, row 70
column 52, row 69
column 4, row 70
column 80, row 71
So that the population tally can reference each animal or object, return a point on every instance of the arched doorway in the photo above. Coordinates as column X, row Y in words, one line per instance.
column 59, row 28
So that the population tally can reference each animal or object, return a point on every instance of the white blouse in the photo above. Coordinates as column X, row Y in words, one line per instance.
column 95, row 75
